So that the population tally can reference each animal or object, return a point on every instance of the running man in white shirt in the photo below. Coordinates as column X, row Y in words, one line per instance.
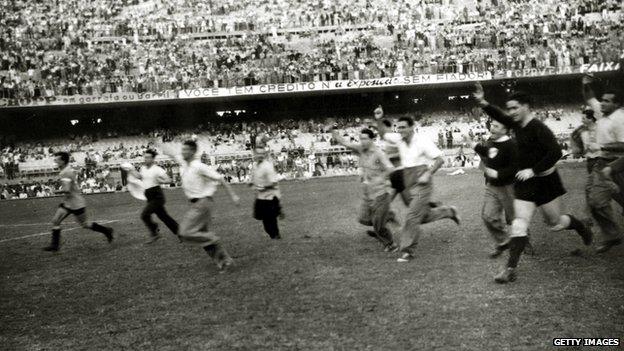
column 153, row 176
column 420, row 159
column 606, row 147
column 267, row 206
column 199, row 183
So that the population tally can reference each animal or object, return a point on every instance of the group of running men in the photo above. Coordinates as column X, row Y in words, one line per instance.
column 199, row 183
column 520, row 172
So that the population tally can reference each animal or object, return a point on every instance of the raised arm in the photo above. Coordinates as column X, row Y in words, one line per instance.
column 493, row 111
column 342, row 141
column 590, row 97
column 384, row 126
column 167, row 149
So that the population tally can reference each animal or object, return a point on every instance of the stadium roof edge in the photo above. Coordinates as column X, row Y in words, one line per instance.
column 238, row 98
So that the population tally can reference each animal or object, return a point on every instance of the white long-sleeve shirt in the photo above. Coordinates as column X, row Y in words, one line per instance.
column 198, row 179
column 420, row 150
column 153, row 176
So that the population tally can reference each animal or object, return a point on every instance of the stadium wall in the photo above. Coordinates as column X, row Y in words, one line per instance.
column 183, row 114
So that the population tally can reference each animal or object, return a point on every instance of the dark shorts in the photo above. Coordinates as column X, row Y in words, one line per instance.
column 396, row 180
column 267, row 208
column 540, row 190
column 155, row 195
column 76, row 212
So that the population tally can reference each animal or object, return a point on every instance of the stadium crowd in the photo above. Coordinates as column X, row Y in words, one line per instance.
column 300, row 149
column 71, row 47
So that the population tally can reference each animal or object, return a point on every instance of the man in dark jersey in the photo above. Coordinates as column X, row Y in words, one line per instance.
column 537, row 182
column 73, row 204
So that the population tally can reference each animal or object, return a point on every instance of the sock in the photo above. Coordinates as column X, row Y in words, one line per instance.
column 210, row 250
column 56, row 237
column 99, row 228
column 516, row 247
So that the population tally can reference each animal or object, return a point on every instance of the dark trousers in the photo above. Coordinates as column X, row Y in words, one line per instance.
column 267, row 211
column 156, row 205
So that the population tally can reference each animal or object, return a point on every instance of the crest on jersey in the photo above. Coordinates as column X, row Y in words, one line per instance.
column 492, row 152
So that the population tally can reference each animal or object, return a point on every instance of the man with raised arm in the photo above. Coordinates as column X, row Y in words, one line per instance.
column 374, row 169
column 537, row 184
column 607, row 145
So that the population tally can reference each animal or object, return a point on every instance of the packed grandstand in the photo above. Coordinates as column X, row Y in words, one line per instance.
column 71, row 47
column 92, row 48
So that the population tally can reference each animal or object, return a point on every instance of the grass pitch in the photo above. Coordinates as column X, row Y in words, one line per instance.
column 326, row 286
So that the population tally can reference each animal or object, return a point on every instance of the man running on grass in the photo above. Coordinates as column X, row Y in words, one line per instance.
column 199, row 183
column 73, row 204
column 375, row 168
column 152, row 176
column 538, row 184
column 420, row 159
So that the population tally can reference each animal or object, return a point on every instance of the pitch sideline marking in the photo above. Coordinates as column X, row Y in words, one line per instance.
column 23, row 225
column 47, row 233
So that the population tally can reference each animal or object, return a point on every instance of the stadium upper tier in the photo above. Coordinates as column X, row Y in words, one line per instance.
column 70, row 47
column 303, row 135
